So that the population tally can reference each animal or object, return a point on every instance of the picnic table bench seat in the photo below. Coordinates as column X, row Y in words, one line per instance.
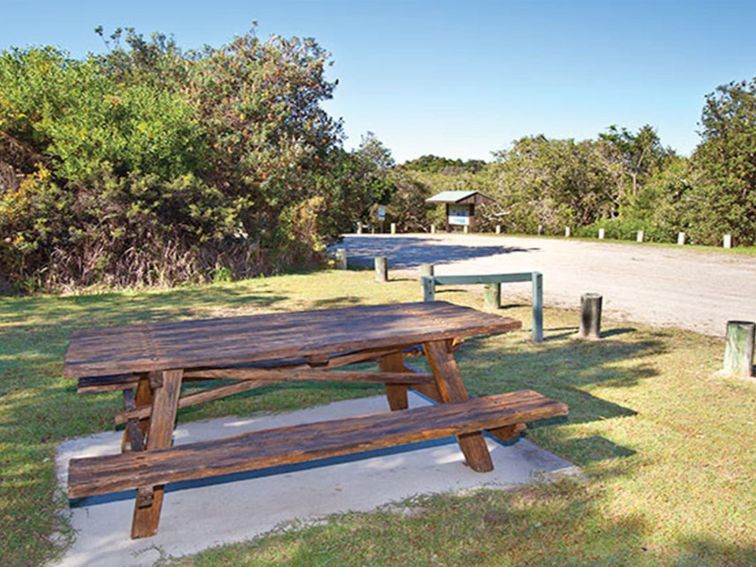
column 300, row 443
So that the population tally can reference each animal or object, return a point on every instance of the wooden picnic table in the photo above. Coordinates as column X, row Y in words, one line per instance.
column 150, row 362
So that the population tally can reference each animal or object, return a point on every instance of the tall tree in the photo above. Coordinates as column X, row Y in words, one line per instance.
column 725, row 198
column 642, row 152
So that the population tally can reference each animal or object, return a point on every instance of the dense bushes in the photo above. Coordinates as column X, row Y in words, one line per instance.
column 149, row 165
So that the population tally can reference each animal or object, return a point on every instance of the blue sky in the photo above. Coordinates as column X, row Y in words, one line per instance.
column 462, row 79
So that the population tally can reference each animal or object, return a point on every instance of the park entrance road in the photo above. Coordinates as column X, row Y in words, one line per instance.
column 689, row 289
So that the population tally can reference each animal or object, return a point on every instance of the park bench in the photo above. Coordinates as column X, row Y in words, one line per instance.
column 150, row 363
column 492, row 295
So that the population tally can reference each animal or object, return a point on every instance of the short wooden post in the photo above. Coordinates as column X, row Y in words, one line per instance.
column 341, row 259
column 381, row 269
column 426, row 270
column 727, row 241
column 540, row 229
column 738, row 358
column 639, row 236
column 567, row 231
column 492, row 296
column 590, row 316
column 465, row 229
column 429, row 288
column 680, row 238
column 537, row 332
column 433, row 229
column 393, row 228
column 498, row 229
column 602, row 233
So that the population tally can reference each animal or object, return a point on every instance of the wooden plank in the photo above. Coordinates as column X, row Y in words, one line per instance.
column 163, row 418
column 214, row 343
column 396, row 393
column 310, row 374
column 452, row 389
column 299, row 443
column 193, row 399
column 133, row 438
column 483, row 279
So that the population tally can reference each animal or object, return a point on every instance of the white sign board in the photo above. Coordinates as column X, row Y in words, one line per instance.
column 459, row 215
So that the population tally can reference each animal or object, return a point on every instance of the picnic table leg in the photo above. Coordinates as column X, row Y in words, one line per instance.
column 165, row 396
column 142, row 397
column 396, row 393
column 452, row 389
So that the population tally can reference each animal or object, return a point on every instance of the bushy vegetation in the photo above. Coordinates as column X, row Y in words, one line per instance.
column 151, row 165
column 622, row 181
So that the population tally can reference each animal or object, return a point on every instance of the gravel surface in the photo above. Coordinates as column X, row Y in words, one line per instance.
column 693, row 290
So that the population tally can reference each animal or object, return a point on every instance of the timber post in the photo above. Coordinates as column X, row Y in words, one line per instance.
column 498, row 229
column 341, row 259
column 381, row 269
column 639, row 236
column 738, row 358
column 393, row 228
column 567, row 231
column 602, row 233
column 727, row 241
column 426, row 270
column 537, row 333
column 680, row 238
column 590, row 316
column 492, row 296
column 429, row 288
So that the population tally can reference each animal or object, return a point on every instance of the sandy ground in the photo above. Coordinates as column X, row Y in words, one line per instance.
column 202, row 514
column 693, row 290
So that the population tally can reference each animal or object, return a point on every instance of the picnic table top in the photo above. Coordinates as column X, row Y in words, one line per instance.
column 226, row 341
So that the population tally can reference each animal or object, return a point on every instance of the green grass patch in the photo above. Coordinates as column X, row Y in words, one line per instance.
column 667, row 446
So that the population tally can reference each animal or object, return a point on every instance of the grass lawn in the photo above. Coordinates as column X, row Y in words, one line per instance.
column 667, row 446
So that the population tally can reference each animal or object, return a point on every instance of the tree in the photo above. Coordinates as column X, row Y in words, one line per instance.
column 725, row 160
column 374, row 151
column 642, row 153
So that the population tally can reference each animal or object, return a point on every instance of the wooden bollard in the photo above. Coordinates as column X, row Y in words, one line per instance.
column 498, row 229
column 433, row 229
column 492, row 296
column 381, row 269
column 727, row 241
column 465, row 229
column 680, row 238
column 738, row 358
column 590, row 316
column 341, row 259
column 639, row 236
column 540, row 229
column 359, row 227
column 426, row 270
column 537, row 284
column 428, row 285
column 602, row 233
column 567, row 231
column 393, row 228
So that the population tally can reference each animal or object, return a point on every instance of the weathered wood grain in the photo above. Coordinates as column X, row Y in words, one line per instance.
column 286, row 445
column 452, row 389
column 192, row 399
column 312, row 374
column 163, row 418
column 236, row 340
column 396, row 393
